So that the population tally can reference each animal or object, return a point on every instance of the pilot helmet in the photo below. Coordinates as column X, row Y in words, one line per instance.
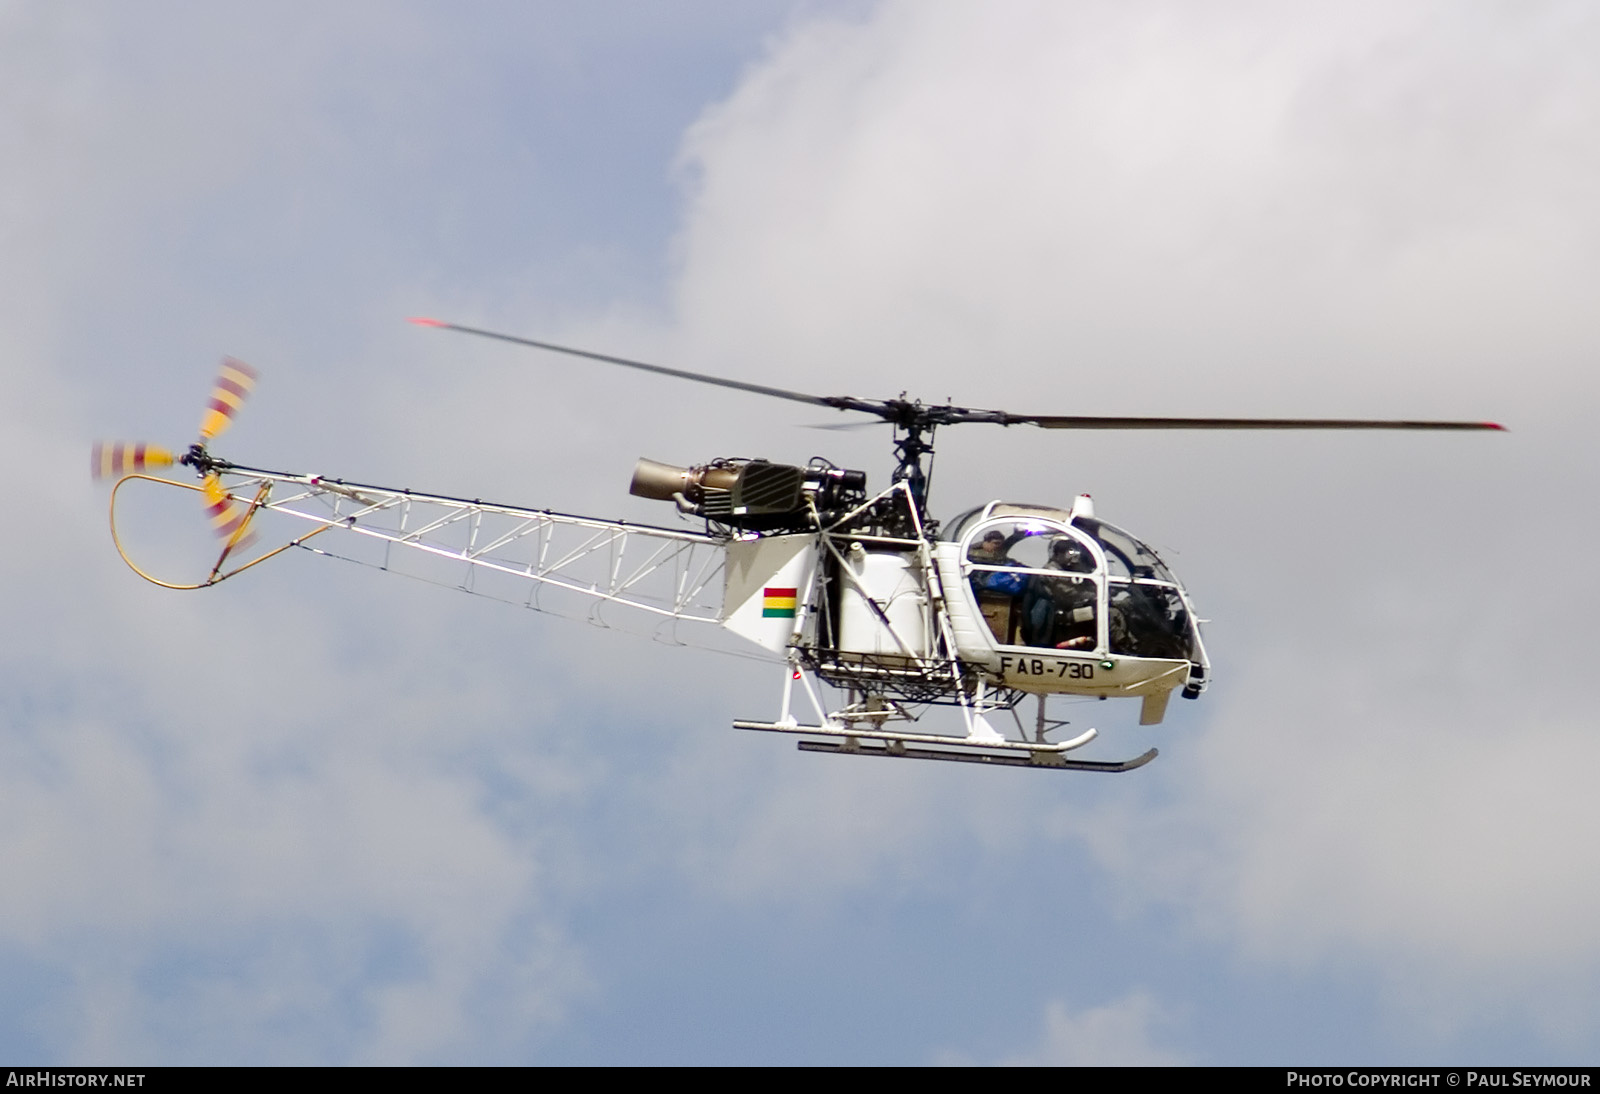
column 1067, row 554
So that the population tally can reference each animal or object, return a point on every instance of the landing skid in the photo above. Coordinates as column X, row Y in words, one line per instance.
column 859, row 741
column 1035, row 759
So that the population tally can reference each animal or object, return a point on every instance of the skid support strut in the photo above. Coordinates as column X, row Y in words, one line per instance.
column 872, row 727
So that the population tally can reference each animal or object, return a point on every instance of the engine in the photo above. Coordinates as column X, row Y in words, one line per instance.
column 753, row 495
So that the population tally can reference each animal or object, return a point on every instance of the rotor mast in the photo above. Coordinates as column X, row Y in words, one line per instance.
column 913, row 439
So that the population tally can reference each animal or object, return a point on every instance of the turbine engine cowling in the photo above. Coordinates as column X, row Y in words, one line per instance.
column 748, row 494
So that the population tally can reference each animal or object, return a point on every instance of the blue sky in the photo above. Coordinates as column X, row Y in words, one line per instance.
column 322, row 816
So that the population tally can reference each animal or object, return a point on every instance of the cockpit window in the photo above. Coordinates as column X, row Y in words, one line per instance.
column 1031, row 545
column 1037, row 584
column 1125, row 556
column 1150, row 620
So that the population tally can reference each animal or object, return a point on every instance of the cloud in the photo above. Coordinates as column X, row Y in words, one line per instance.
column 1082, row 184
column 1374, row 210
column 1126, row 1033
column 219, row 846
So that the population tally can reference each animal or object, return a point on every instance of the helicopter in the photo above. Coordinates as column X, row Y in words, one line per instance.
column 877, row 614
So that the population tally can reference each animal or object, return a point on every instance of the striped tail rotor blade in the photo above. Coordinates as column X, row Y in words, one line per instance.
column 233, row 387
column 116, row 459
column 228, row 515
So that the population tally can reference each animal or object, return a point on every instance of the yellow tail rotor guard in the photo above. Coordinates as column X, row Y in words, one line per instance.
column 217, row 573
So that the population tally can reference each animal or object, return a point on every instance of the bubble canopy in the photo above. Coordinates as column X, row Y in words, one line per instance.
column 1044, row 577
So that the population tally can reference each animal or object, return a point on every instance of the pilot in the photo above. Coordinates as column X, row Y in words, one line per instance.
column 1066, row 554
column 1060, row 611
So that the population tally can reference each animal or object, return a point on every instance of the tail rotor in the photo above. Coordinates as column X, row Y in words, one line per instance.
column 228, row 515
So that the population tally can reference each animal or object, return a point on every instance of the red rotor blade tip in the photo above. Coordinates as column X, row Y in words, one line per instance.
column 425, row 322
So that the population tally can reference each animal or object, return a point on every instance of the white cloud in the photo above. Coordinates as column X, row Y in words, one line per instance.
column 1096, row 186
column 1127, row 1033
column 229, row 831
column 1377, row 210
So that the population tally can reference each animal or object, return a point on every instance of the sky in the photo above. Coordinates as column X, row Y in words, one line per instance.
column 321, row 815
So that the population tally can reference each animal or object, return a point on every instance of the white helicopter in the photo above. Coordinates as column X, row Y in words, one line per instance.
column 876, row 612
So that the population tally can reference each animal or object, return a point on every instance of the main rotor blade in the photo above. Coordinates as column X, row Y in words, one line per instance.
column 847, row 427
column 1094, row 422
column 846, row 403
column 915, row 415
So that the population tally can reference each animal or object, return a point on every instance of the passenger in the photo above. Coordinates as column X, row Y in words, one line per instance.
column 998, row 591
column 992, row 551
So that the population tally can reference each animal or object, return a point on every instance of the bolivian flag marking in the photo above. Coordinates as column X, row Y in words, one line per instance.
column 777, row 603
